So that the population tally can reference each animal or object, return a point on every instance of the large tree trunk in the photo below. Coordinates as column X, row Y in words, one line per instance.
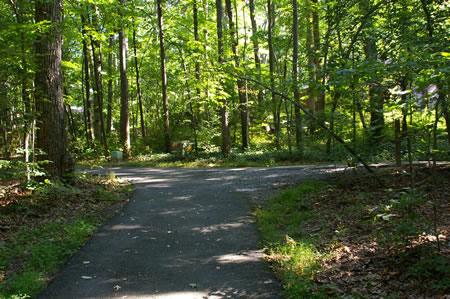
column 240, row 83
column 124, row 109
column 51, row 136
column 164, row 79
column 275, row 110
column 298, row 120
column 224, row 110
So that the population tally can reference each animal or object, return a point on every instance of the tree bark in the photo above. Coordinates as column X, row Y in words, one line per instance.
column 320, row 95
column 87, row 80
column 99, row 124
column 111, row 69
column 164, row 79
column 28, row 118
column 276, row 114
column 51, row 135
column 243, row 107
column 256, row 46
column 197, row 77
column 298, row 120
column 376, row 98
column 311, row 101
column 138, row 89
column 124, row 108
column 224, row 109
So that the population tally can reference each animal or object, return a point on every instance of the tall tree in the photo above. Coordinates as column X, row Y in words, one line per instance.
column 320, row 95
column 255, row 42
column 223, row 110
column 243, row 107
column 87, row 81
column 124, row 109
column 275, row 110
column 298, row 120
column 138, row 88
column 99, row 124
column 311, row 102
column 51, row 136
column 164, row 78
column 376, row 97
column 111, row 70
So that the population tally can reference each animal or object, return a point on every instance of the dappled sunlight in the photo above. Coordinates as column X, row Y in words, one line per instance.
column 125, row 227
column 242, row 257
column 165, row 295
column 230, row 177
column 217, row 227
column 188, row 197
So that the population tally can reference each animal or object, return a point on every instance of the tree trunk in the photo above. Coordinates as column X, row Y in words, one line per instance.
column 298, row 120
column 256, row 46
column 51, row 136
column 243, row 107
column 28, row 118
column 124, row 109
column 99, row 124
column 223, row 110
column 164, row 79
column 376, row 97
column 111, row 70
column 87, row 80
column 320, row 95
column 138, row 89
column 197, row 77
column 311, row 101
column 276, row 114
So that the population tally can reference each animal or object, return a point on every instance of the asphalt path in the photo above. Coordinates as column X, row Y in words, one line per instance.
column 186, row 233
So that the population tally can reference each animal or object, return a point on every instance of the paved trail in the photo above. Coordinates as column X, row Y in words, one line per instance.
column 186, row 233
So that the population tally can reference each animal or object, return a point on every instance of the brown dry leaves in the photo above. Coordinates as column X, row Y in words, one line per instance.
column 359, row 264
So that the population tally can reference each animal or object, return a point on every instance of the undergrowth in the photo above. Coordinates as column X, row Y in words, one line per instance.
column 352, row 237
column 55, row 220
column 293, row 254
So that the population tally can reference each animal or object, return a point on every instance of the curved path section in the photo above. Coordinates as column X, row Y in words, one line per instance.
column 186, row 233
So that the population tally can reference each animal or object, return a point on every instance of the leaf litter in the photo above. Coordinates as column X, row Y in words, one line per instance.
column 367, row 255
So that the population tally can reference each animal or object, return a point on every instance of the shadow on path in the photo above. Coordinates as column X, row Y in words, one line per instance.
column 186, row 233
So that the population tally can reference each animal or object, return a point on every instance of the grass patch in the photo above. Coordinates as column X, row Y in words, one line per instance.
column 292, row 253
column 238, row 158
column 55, row 221
column 41, row 251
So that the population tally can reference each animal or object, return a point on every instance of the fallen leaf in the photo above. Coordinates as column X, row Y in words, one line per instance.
column 193, row 285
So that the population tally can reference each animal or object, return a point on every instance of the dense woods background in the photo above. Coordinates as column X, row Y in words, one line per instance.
column 292, row 76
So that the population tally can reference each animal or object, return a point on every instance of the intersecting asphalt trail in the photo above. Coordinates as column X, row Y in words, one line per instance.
column 186, row 233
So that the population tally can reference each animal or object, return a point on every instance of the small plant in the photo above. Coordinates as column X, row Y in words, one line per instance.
column 295, row 259
column 403, row 210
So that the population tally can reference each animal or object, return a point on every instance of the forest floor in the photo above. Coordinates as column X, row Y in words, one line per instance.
column 350, row 236
column 356, row 238
column 42, row 225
